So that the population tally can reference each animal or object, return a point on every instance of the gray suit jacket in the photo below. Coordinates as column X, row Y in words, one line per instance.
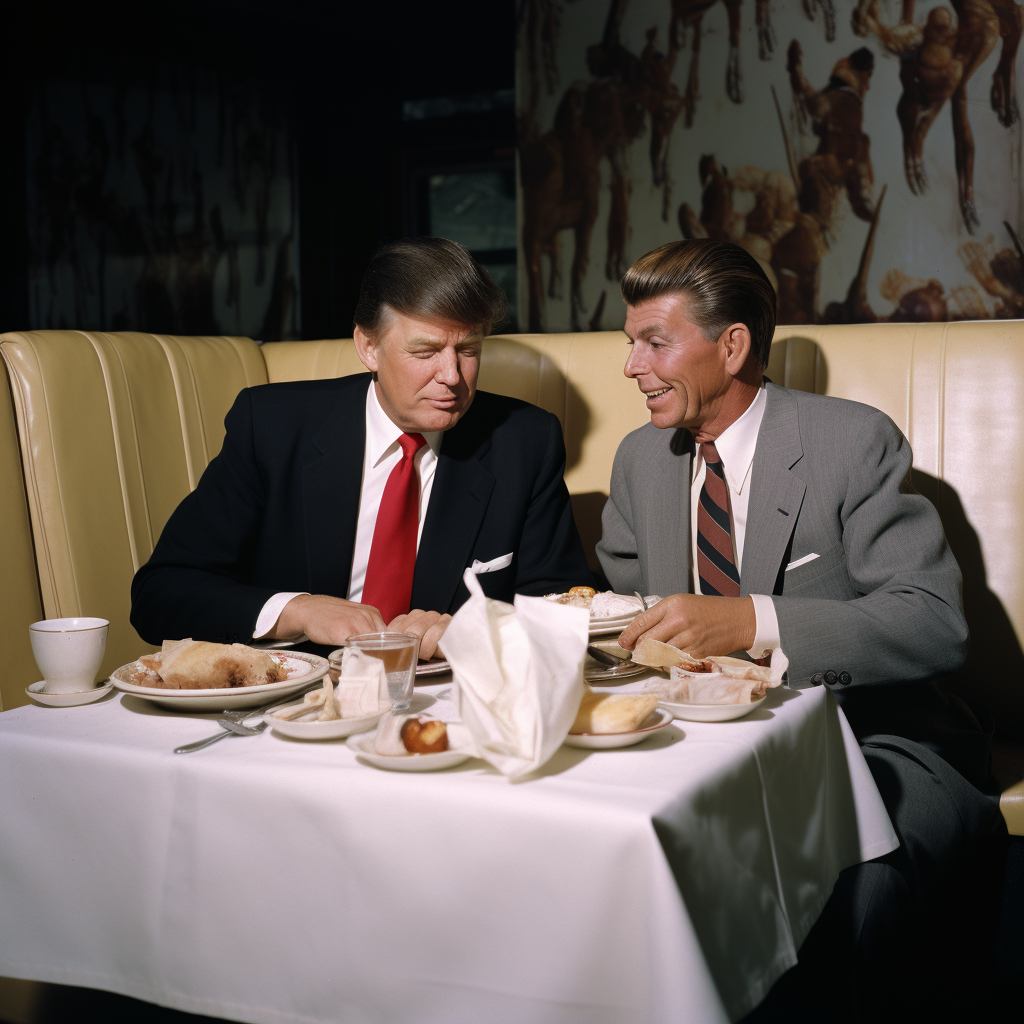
column 881, row 603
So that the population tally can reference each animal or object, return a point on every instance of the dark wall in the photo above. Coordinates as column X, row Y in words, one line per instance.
column 339, row 72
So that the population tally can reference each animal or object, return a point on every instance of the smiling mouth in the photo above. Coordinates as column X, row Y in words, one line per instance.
column 655, row 394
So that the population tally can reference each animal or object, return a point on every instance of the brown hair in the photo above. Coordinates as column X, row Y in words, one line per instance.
column 724, row 284
column 432, row 279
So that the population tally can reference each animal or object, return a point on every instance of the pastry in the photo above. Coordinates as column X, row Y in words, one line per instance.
column 199, row 665
column 655, row 654
column 612, row 712
column 401, row 735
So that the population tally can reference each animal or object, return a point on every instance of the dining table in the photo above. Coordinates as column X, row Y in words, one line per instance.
column 269, row 880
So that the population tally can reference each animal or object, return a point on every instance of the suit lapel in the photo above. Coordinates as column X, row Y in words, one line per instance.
column 776, row 494
column 330, row 490
column 458, row 500
column 669, row 518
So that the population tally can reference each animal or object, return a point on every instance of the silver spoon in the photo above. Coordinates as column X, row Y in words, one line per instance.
column 640, row 598
column 228, row 728
column 603, row 657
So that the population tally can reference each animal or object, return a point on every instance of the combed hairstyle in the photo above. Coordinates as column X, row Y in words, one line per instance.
column 433, row 279
column 724, row 284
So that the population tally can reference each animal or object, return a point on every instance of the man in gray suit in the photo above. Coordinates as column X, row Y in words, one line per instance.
column 770, row 518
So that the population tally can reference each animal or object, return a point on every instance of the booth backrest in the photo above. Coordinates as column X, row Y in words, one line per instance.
column 115, row 429
column 20, row 604
column 136, row 417
column 955, row 390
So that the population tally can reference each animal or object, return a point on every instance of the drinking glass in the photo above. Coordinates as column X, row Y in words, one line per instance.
column 400, row 653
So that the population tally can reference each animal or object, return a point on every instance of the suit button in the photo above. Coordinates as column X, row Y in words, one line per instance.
column 817, row 679
column 845, row 678
column 831, row 678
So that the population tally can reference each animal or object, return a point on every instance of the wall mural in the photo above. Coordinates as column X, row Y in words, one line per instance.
column 812, row 133
column 162, row 205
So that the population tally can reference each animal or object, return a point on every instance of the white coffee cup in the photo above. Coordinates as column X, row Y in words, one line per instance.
column 68, row 652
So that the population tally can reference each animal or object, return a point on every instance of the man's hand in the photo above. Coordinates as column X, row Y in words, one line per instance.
column 428, row 626
column 699, row 625
column 325, row 620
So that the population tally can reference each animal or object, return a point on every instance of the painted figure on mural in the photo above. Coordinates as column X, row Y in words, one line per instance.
column 687, row 18
column 937, row 60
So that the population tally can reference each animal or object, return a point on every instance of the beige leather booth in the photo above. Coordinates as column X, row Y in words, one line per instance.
column 101, row 435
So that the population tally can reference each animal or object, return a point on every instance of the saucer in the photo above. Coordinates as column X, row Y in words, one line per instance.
column 67, row 700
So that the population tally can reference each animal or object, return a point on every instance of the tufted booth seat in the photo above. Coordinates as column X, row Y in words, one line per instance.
column 110, row 431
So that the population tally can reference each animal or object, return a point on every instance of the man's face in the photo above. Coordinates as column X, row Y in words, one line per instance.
column 683, row 375
column 426, row 372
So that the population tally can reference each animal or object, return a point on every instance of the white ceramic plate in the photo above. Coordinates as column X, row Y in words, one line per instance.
column 67, row 700
column 303, row 669
column 311, row 730
column 362, row 744
column 709, row 712
column 432, row 668
column 617, row 624
column 658, row 719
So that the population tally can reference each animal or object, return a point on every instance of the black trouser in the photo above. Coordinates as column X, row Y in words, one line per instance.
column 884, row 917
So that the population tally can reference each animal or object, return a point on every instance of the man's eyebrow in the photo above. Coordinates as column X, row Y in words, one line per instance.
column 646, row 332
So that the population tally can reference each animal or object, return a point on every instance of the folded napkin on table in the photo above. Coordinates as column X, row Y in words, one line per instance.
column 518, row 671
column 362, row 685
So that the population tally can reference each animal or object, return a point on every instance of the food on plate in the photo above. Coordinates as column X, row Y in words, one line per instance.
column 720, row 680
column 612, row 712
column 352, row 697
column 604, row 605
column 577, row 597
column 655, row 654
column 329, row 711
column 705, row 688
column 401, row 735
column 200, row 665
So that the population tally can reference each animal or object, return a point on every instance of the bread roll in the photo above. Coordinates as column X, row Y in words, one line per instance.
column 612, row 712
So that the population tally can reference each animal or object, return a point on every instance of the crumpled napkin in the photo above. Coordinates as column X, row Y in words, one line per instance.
column 518, row 671
column 362, row 685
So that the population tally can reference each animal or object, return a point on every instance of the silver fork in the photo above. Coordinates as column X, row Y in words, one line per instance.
column 229, row 727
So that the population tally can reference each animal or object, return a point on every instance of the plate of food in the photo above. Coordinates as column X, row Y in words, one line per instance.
column 200, row 676
column 595, row 671
column 606, row 721
column 302, row 722
column 609, row 612
column 690, row 711
column 412, row 743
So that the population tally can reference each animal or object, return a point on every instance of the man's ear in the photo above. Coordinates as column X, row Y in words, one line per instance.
column 366, row 349
column 737, row 342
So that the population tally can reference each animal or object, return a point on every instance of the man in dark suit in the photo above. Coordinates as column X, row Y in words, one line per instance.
column 775, row 518
column 355, row 504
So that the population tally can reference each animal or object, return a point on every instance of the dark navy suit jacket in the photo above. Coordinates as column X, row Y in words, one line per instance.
column 276, row 511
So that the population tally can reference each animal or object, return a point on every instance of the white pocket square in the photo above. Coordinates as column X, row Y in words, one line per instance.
column 801, row 561
column 501, row 562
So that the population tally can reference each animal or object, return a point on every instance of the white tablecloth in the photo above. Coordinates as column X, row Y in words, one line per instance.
column 268, row 880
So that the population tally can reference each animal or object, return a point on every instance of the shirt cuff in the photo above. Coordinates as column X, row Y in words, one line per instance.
column 271, row 612
column 766, row 627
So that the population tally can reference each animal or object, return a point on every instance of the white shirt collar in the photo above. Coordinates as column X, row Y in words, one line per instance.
column 382, row 434
column 737, row 442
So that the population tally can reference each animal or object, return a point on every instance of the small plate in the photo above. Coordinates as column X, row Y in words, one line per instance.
column 709, row 712
column 434, row 667
column 67, row 700
column 303, row 668
column 362, row 744
column 658, row 718
column 336, row 730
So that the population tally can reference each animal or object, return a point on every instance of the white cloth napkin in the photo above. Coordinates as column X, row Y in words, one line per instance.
column 362, row 686
column 518, row 671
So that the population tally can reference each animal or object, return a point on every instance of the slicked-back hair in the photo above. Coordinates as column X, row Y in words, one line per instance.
column 433, row 279
column 723, row 283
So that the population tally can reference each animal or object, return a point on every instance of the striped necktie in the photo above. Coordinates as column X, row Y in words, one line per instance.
column 716, row 564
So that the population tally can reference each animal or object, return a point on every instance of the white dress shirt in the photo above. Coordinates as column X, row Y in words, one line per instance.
column 735, row 447
column 380, row 456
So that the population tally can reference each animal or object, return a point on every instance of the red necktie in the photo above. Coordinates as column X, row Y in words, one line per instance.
column 716, row 566
column 388, row 584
